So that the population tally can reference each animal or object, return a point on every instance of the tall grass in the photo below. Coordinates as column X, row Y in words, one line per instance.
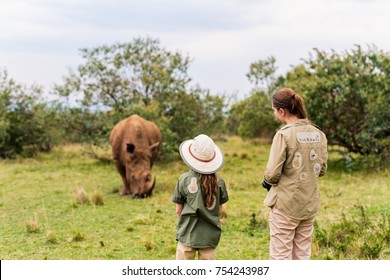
column 42, row 216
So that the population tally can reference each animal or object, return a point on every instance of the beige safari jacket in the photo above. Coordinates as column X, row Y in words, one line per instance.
column 297, row 158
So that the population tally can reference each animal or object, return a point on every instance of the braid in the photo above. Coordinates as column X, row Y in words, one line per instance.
column 209, row 186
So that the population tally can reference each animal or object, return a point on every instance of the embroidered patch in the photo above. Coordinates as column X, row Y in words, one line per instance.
column 317, row 168
column 213, row 205
column 303, row 176
column 313, row 154
column 297, row 160
column 193, row 186
column 308, row 137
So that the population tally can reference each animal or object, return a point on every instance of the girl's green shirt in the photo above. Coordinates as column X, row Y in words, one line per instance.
column 198, row 226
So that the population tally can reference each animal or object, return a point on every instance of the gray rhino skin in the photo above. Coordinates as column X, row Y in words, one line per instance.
column 135, row 144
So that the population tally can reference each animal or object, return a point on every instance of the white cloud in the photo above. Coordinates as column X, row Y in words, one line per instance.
column 223, row 37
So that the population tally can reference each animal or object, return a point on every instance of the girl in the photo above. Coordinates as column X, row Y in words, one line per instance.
column 297, row 158
column 199, row 195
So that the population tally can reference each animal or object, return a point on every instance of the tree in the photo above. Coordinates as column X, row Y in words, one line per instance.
column 27, row 124
column 347, row 95
column 262, row 75
column 253, row 117
column 127, row 78
column 120, row 75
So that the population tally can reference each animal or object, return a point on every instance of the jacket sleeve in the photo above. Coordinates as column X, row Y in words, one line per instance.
column 223, row 194
column 324, row 166
column 276, row 160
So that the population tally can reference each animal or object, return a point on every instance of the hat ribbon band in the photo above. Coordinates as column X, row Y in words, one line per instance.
column 199, row 159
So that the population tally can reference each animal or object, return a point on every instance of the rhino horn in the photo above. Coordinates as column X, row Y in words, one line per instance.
column 150, row 191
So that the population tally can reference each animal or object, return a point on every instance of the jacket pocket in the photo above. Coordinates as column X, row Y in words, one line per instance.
column 270, row 199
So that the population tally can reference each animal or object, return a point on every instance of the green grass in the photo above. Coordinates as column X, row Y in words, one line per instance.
column 41, row 215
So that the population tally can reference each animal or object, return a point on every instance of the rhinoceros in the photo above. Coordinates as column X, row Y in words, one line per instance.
column 135, row 144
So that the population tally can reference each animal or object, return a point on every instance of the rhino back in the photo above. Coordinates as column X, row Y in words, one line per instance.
column 134, row 130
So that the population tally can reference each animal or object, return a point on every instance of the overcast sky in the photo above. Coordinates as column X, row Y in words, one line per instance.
column 40, row 39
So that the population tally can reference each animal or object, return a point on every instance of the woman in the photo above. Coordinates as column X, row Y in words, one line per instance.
column 199, row 195
column 297, row 158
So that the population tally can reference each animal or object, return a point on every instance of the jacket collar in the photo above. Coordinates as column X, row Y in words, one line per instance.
column 299, row 122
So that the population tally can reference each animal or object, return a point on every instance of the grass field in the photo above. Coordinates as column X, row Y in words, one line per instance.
column 42, row 217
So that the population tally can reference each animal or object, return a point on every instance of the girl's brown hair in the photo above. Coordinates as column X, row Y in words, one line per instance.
column 287, row 99
column 209, row 183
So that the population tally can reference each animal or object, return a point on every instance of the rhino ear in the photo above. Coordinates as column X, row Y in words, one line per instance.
column 130, row 148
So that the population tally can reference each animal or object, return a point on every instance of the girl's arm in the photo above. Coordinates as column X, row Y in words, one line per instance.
column 179, row 209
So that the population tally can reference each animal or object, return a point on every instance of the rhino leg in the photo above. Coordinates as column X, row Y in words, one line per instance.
column 125, row 189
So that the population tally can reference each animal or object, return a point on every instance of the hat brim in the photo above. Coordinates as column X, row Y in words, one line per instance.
column 200, row 166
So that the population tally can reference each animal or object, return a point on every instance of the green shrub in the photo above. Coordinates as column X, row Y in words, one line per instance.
column 77, row 236
column 27, row 125
column 362, row 237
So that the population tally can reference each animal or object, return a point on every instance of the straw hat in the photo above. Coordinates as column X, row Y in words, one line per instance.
column 202, row 155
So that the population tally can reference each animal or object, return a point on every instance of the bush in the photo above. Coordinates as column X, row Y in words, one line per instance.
column 27, row 126
column 253, row 117
column 362, row 237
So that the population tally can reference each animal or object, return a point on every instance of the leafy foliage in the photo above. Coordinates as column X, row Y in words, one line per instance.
column 27, row 125
column 120, row 75
column 262, row 74
column 253, row 117
column 342, row 238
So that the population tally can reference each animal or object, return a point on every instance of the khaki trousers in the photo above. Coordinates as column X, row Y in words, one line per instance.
column 183, row 252
column 290, row 238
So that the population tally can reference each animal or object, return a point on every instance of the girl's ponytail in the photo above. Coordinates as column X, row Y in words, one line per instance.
column 287, row 99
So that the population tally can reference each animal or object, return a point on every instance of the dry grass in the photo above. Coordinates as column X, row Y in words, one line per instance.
column 81, row 197
column 97, row 198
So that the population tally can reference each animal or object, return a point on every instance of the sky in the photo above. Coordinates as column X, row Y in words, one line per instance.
column 40, row 39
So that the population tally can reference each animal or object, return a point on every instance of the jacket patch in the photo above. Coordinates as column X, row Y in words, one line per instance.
column 303, row 176
column 297, row 160
column 193, row 186
column 313, row 154
column 308, row 137
column 317, row 168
